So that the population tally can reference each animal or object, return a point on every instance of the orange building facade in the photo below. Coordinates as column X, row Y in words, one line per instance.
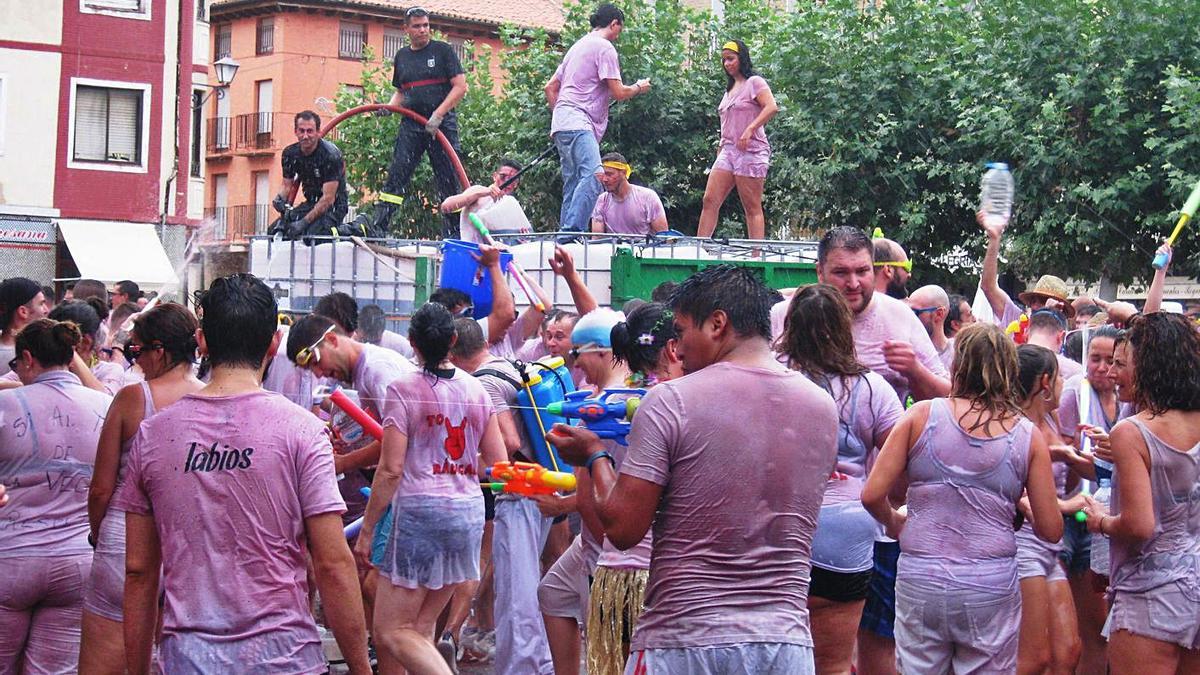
column 298, row 55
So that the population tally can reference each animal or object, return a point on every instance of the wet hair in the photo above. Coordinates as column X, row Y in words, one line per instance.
column 470, row 338
column 341, row 308
column 89, row 288
column 99, row 305
column 745, row 67
column 1033, row 361
column 1107, row 331
column 885, row 250
column 1166, row 356
column 631, row 304
column 606, row 14
column 614, row 157
column 415, row 13
column 510, row 163
column 121, row 313
column 953, row 312
column 843, row 236
column 1047, row 320
column 985, row 373
column 817, row 336
column 82, row 313
column 430, row 332
column 129, row 289
column 307, row 331
column 1073, row 346
column 171, row 325
column 51, row 342
column 663, row 291
column 556, row 315
column 239, row 316
column 640, row 338
column 1088, row 311
column 306, row 115
column 450, row 298
column 371, row 323
column 736, row 291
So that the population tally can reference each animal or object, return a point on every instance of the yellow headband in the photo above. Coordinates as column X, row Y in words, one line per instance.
column 619, row 166
column 731, row 46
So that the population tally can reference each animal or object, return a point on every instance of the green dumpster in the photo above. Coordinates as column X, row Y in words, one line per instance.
column 635, row 277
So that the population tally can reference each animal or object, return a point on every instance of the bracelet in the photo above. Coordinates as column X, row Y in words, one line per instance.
column 1103, row 520
column 599, row 455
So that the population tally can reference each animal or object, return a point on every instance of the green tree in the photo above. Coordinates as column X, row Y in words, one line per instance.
column 888, row 116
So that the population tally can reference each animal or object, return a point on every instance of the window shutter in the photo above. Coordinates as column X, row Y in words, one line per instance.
column 124, row 120
column 91, row 123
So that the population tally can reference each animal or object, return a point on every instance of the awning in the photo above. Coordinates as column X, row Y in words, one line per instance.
column 111, row 251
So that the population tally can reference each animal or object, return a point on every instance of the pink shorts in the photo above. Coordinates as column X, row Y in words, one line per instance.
column 41, row 610
column 751, row 164
column 565, row 589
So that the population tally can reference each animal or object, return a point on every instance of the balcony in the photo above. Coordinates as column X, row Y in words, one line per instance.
column 262, row 132
column 220, row 135
column 228, row 225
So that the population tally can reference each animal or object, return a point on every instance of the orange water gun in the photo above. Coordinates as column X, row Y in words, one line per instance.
column 1019, row 329
column 527, row 478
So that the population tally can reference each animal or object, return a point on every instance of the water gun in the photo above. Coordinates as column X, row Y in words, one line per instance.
column 605, row 418
column 1187, row 213
column 517, row 272
column 1019, row 329
column 368, row 423
column 526, row 478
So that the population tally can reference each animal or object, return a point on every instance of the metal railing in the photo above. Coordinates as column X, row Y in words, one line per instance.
column 265, row 36
column 220, row 137
column 261, row 130
column 351, row 40
column 236, row 224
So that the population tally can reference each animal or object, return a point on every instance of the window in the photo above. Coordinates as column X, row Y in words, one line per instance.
column 224, row 44
column 393, row 41
column 201, row 10
column 109, row 120
column 197, row 132
column 352, row 37
column 132, row 9
column 459, row 46
column 265, row 44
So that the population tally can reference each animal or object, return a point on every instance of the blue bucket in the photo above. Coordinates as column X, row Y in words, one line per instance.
column 462, row 272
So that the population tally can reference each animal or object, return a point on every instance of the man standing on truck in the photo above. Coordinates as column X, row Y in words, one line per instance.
column 317, row 166
column 429, row 80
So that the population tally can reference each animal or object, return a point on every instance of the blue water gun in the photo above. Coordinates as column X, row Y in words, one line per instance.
column 607, row 419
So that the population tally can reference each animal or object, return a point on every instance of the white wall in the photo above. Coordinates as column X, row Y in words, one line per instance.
column 38, row 21
column 30, row 127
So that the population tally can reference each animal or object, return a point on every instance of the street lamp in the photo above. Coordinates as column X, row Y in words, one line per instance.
column 226, row 69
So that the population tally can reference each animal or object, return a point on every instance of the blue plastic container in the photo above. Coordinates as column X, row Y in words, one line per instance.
column 462, row 272
column 549, row 381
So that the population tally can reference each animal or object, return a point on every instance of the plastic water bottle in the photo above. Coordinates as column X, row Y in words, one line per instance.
column 996, row 194
column 1103, row 495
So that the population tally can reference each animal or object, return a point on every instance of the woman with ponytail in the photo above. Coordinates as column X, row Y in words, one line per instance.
column 645, row 343
column 90, row 368
column 163, row 345
column 47, row 448
column 440, row 431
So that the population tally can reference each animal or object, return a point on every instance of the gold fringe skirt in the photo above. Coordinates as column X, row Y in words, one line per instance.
column 616, row 603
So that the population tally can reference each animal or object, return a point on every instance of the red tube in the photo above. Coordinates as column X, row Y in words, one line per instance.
column 357, row 414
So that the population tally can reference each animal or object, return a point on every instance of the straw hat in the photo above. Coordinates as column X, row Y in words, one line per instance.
column 1050, row 287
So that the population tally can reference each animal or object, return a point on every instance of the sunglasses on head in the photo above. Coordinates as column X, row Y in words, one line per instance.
column 922, row 310
column 906, row 265
column 132, row 352
column 588, row 348
column 312, row 352
column 466, row 311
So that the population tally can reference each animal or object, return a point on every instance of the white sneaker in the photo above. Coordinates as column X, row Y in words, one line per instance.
column 449, row 652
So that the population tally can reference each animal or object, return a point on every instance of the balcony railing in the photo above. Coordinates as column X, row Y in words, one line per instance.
column 236, row 224
column 262, row 130
column 220, row 137
column 351, row 41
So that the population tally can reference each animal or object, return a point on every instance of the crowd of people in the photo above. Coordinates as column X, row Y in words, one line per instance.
column 832, row 479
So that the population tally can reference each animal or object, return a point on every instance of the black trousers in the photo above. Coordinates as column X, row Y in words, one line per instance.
column 412, row 141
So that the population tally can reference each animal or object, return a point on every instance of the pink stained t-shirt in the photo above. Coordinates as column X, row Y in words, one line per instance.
column 631, row 215
column 444, row 420
column 743, row 478
column 884, row 319
column 375, row 369
column 500, row 216
column 397, row 343
column 737, row 109
column 230, row 481
column 48, row 436
column 583, row 90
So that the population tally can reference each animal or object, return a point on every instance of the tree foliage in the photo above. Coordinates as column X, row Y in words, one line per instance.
column 888, row 116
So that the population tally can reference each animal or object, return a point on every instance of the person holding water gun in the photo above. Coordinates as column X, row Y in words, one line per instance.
column 564, row 592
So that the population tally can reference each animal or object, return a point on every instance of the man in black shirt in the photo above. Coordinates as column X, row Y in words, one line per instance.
column 429, row 81
column 317, row 165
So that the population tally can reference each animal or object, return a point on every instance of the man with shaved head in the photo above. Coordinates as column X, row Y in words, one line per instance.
column 892, row 268
column 931, row 304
